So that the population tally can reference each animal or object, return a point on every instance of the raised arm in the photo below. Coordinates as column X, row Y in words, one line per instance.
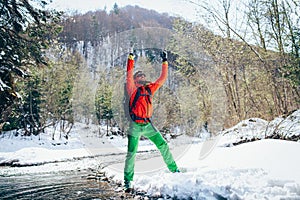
column 130, row 86
column 163, row 75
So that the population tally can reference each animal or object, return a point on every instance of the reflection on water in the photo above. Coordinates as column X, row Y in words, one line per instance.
column 60, row 185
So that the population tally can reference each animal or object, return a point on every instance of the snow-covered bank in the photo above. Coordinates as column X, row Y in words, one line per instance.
column 265, row 169
column 254, row 128
column 18, row 150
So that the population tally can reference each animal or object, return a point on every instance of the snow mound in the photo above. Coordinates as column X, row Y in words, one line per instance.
column 255, row 129
column 285, row 127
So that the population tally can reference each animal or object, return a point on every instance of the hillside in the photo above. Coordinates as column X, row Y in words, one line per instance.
column 225, row 76
column 95, row 26
column 103, row 39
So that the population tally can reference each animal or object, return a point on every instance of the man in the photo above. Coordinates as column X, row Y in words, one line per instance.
column 140, row 92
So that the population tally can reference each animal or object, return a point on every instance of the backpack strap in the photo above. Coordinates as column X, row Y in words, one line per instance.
column 136, row 97
column 149, row 94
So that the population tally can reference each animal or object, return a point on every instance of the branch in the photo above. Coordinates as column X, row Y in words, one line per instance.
column 228, row 26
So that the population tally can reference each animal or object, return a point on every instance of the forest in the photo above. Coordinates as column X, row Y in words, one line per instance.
column 57, row 69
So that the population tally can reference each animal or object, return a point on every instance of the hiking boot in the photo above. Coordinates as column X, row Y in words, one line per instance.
column 177, row 171
column 129, row 190
column 128, row 187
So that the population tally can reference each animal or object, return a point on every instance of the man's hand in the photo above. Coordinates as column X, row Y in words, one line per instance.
column 164, row 56
column 131, row 55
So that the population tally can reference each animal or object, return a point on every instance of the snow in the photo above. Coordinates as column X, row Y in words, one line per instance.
column 259, row 128
column 38, row 149
column 3, row 85
column 263, row 169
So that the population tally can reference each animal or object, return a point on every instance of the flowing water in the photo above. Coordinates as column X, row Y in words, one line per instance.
column 45, row 182
column 58, row 185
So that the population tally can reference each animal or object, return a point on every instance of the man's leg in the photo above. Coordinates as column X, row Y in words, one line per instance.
column 155, row 136
column 133, row 140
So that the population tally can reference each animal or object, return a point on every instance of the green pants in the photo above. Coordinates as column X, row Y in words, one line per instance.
column 135, row 132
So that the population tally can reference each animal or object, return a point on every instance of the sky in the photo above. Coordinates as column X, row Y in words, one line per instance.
column 181, row 8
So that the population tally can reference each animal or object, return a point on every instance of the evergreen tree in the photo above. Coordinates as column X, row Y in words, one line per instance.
column 116, row 9
column 103, row 102
column 30, row 112
column 25, row 31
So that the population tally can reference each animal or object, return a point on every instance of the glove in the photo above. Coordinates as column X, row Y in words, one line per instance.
column 131, row 56
column 164, row 56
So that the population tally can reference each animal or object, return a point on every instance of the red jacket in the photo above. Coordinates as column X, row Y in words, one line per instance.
column 143, row 109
